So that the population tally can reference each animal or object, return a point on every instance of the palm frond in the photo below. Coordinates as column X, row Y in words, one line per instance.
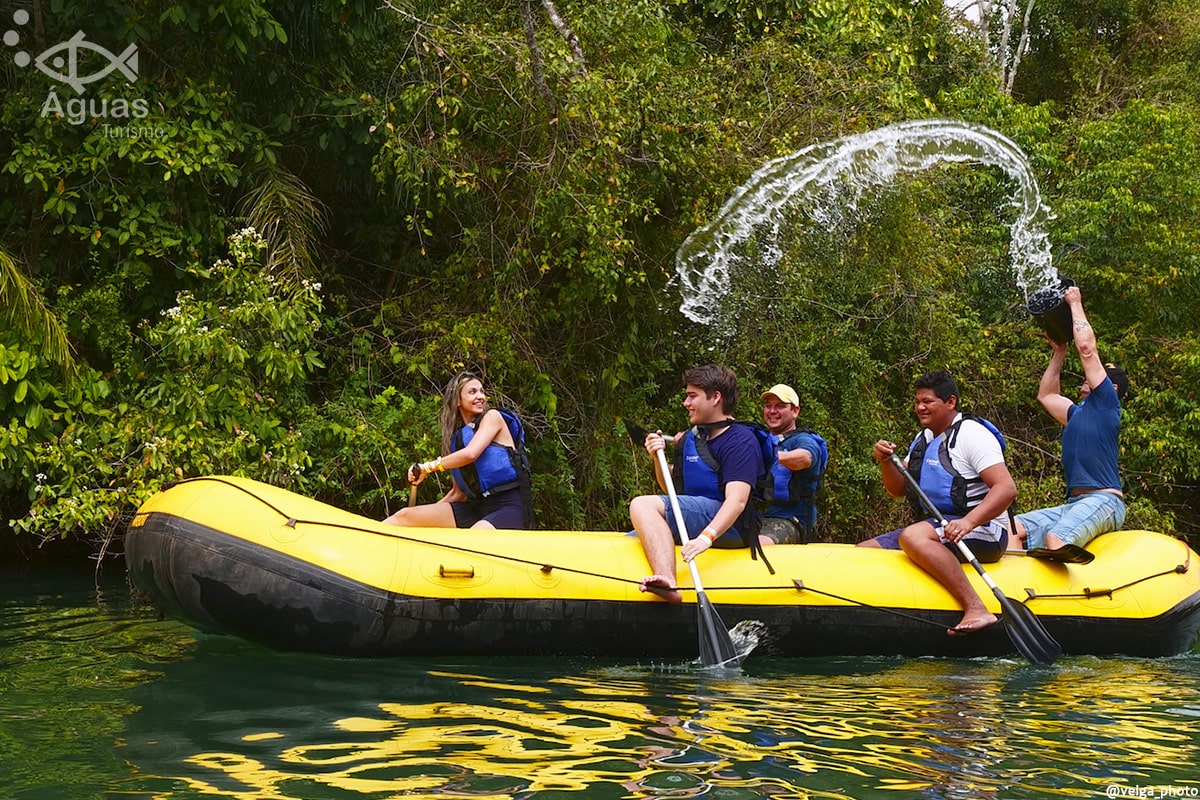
column 22, row 308
column 289, row 216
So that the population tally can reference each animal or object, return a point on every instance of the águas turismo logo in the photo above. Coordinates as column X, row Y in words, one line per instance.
column 77, row 63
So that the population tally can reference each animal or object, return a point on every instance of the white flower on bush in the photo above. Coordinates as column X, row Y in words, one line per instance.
column 246, row 244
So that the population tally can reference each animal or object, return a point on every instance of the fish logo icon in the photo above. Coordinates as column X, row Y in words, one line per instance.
column 77, row 63
column 62, row 62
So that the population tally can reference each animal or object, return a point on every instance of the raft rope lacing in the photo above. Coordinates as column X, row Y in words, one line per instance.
column 796, row 585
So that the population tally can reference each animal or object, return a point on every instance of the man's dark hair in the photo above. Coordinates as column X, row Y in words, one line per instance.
column 941, row 382
column 1119, row 378
column 713, row 378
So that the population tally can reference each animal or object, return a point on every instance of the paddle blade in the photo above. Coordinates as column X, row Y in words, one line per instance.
column 1067, row 554
column 716, row 646
column 1028, row 635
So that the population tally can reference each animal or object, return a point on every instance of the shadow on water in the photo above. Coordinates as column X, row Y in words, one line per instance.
column 99, row 699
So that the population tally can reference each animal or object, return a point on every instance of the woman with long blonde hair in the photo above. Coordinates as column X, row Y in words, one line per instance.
column 483, row 448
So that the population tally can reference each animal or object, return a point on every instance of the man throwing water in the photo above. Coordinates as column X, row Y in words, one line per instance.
column 1095, row 503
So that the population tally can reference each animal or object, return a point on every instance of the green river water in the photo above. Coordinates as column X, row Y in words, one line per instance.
column 101, row 699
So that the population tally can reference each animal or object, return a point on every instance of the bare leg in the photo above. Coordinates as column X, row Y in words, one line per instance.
column 920, row 542
column 649, row 517
column 1018, row 536
column 430, row 515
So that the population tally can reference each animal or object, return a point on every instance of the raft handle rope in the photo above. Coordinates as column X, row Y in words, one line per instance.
column 292, row 522
column 1088, row 593
column 797, row 585
column 800, row 587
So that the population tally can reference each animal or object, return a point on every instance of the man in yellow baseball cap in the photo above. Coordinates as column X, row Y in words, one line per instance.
column 797, row 474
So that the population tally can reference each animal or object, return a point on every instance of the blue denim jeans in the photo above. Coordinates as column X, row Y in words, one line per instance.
column 1077, row 522
column 697, row 513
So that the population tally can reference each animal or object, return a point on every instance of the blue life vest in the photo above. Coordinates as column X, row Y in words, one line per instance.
column 948, row 490
column 700, row 473
column 499, row 467
column 785, row 486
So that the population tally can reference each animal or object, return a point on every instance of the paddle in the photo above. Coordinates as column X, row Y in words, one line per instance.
column 637, row 434
column 415, row 471
column 1031, row 639
column 1067, row 554
column 716, row 647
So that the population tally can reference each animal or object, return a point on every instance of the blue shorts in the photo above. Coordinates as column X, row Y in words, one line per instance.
column 987, row 551
column 1081, row 519
column 698, row 512
column 504, row 510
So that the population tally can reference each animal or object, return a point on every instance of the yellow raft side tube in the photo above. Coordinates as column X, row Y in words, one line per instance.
column 1142, row 591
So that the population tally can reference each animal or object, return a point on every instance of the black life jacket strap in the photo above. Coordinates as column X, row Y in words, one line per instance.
column 756, row 550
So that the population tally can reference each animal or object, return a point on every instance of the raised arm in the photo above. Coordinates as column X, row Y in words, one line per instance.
column 1085, row 339
column 1050, row 393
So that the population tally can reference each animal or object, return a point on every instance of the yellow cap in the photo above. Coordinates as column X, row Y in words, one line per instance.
column 784, row 392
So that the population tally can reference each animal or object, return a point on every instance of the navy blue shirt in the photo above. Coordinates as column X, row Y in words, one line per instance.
column 740, row 457
column 1089, row 441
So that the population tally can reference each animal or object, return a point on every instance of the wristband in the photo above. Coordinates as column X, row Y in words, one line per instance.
column 709, row 533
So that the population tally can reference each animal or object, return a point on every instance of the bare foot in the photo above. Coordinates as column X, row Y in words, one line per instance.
column 662, row 587
column 973, row 624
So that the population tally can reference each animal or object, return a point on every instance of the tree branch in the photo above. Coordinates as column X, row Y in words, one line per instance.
column 535, row 57
column 1022, row 48
column 566, row 33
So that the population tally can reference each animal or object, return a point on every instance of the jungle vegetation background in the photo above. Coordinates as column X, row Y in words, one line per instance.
column 501, row 185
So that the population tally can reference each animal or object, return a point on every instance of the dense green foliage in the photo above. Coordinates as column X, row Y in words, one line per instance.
column 326, row 210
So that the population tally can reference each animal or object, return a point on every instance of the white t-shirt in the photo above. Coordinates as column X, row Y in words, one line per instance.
column 975, row 450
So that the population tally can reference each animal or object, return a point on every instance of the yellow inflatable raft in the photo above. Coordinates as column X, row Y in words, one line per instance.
column 231, row 555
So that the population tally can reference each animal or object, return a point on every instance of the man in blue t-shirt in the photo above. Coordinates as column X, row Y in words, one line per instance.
column 793, row 480
column 721, row 466
column 1095, row 503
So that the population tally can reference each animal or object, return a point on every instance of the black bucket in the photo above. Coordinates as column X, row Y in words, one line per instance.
column 1047, row 307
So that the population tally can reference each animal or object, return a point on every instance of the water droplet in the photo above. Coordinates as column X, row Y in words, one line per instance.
column 827, row 180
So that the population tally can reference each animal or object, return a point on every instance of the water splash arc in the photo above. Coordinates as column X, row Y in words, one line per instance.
column 831, row 177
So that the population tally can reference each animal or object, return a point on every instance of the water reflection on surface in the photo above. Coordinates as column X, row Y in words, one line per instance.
column 98, row 699
column 271, row 726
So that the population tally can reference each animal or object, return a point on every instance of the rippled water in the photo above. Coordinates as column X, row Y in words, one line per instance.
column 99, row 699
